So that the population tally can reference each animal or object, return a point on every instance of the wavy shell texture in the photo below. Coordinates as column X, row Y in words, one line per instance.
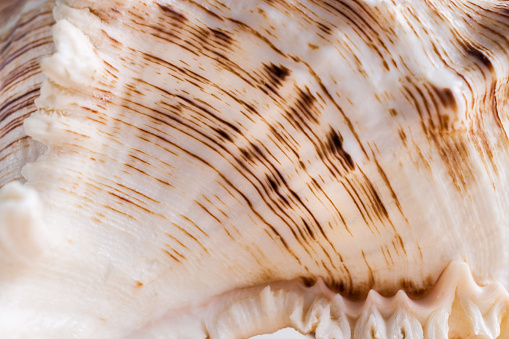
column 25, row 36
column 228, row 168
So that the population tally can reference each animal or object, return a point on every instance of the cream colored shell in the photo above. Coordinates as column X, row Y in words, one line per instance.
column 228, row 168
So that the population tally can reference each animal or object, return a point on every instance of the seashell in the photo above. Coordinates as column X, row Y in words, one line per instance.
column 222, row 169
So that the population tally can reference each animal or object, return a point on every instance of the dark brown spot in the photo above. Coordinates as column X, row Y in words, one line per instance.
column 273, row 183
column 478, row 56
column 222, row 36
column 308, row 228
column 223, row 134
column 416, row 291
column 276, row 73
column 172, row 13
column 338, row 287
column 100, row 14
column 402, row 135
column 357, row 293
column 308, row 282
column 324, row 28
column 246, row 154
column 446, row 97
column 303, row 111
column 335, row 144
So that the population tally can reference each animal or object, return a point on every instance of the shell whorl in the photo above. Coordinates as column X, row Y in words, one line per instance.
column 25, row 36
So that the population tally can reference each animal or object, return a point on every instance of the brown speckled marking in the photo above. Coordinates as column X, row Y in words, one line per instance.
column 20, row 80
column 287, row 153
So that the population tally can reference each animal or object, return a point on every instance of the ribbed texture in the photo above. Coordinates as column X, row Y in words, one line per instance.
column 26, row 39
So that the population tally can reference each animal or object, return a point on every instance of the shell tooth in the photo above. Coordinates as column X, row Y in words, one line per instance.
column 403, row 325
column 324, row 318
column 468, row 319
column 371, row 325
column 336, row 328
column 477, row 310
column 485, row 325
column 336, row 324
column 437, row 326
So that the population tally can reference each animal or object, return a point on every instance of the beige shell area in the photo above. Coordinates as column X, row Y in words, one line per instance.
column 199, row 147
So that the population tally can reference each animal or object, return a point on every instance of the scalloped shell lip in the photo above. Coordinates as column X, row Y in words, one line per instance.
column 456, row 305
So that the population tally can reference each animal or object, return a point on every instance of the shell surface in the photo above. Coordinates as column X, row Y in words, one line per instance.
column 228, row 168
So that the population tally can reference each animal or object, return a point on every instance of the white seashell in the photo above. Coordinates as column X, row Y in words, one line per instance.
column 222, row 169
